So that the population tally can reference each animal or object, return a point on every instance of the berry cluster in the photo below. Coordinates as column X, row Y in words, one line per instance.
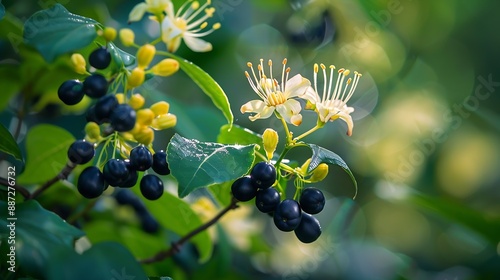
column 71, row 92
column 121, row 173
column 288, row 214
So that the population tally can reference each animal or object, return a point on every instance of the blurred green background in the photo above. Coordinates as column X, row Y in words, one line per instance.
column 424, row 148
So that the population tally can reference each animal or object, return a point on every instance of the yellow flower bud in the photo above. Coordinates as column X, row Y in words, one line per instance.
column 160, row 108
column 93, row 130
column 145, row 136
column 127, row 136
column 270, row 138
column 145, row 116
column 166, row 67
column 136, row 77
column 137, row 128
column 319, row 173
column 145, row 54
column 109, row 33
column 164, row 122
column 305, row 166
column 120, row 97
column 79, row 64
column 127, row 37
column 136, row 101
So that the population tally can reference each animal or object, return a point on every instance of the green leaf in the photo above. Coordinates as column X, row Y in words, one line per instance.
column 176, row 215
column 235, row 134
column 199, row 164
column 46, row 153
column 487, row 226
column 209, row 86
column 38, row 234
column 8, row 144
column 120, row 57
column 11, row 83
column 106, row 260
column 322, row 155
column 56, row 31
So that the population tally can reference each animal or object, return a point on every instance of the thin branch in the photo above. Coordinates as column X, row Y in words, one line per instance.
column 61, row 176
column 22, row 190
column 175, row 248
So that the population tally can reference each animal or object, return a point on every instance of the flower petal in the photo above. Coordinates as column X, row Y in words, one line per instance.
column 264, row 114
column 311, row 95
column 324, row 113
column 137, row 12
column 347, row 119
column 296, row 86
column 257, row 106
column 197, row 45
column 290, row 111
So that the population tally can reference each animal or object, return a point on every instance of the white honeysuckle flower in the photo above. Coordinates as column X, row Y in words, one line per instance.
column 151, row 6
column 333, row 105
column 189, row 23
column 275, row 96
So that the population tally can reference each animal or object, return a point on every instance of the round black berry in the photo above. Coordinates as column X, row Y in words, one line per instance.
column 151, row 187
column 81, row 152
column 243, row 189
column 160, row 164
column 71, row 92
column 132, row 176
column 91, row 117
column 103, row 108
column 263, row 174
column 148, row 223
column 287, row 215
column 123, row 118
column 91, row 182
column 95, row 86
column 115, row 172
column 312, row 200
column 267, row 200
column 309, row 229
column 141, row 158
column 100, row 58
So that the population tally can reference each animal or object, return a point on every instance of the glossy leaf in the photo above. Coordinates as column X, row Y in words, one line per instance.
column 120, row 57
column 38, row 234
column 176, row 215
column 106, row 260
column 322, row 155
column 8, row 144
column 209, row 86
column 199, row 164
column 236, row 134
column 46, row 153
column 56, row 31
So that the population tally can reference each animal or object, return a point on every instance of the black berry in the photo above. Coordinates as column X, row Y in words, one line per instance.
column 141, row 158
column 95, row 86
column 91, row 182
column 71, row 92
column 115, row 172
column 312, row 200
column 267, row 200
column 91, row 117
column 151, row 187
column 287, row 215
column 263, row 174
column 127, row 197
column 160, row 164
column 103, row 108
column 132, row 176
column 309, row 229
column 148, row 223
column 123, row 118
column 243, row 189
column 100, row 58
column 81, row 152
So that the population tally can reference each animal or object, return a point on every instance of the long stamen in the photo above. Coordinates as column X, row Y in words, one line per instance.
column 336, row 90
column 315, row 77
column 330, row 83
column 209, row 12
column 287, row 71
column 270, row 64
column 197, row 10
column 323, row 67
column 346, row 73
column 353, row 86
column 283, row 75
column 179, row 12
column 254, row 87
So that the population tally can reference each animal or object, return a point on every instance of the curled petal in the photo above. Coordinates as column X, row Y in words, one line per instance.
column 137, row 12
column 347, row 119
column 197, row 45
column 296, row 86
column 311, row 95
column 290, row 111
column 259, row 107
